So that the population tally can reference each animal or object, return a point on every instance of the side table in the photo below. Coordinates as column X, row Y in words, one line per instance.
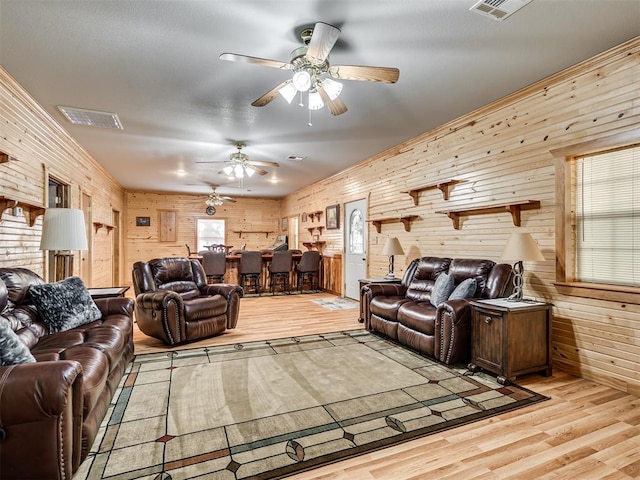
column 510, row 338
column 367, row 281
column 108, row 292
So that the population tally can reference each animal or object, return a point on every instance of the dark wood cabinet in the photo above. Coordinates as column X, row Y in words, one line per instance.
column 510, row 338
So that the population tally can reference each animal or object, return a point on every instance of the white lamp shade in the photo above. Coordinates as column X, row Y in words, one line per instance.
column 288, row 92
column 315, row 101
column 522, row 247
column 302, row 81
column 63, row 229
column 332, row 88
column 392, row 247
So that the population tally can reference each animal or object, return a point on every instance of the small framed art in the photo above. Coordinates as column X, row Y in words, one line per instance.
column 333, row 217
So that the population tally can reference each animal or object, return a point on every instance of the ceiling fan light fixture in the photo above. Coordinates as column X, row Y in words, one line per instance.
column 288, row 92
column 332, row 88
column 228, row 170
column 302, row 81
column 238, row 171
column 249, row 171
column 315, row 101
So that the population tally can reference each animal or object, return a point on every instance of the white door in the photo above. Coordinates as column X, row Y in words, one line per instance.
column 355, row 257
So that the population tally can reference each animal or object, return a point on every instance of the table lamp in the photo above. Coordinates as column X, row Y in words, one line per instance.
column 63, row 230
column 392, row 247
column 520, row 247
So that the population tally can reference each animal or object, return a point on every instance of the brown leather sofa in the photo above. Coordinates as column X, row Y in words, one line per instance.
column 50, row 410
column 404, row 312
column 175, row 304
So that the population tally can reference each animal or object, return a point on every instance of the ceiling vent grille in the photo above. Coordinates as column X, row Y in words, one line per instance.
column 91, row 118
column 498, row 9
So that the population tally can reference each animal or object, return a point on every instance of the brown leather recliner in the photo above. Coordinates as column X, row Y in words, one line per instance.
column 175, row 304
column 404, row 312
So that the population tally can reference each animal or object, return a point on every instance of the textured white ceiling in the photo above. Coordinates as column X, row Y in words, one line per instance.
column 155, row 64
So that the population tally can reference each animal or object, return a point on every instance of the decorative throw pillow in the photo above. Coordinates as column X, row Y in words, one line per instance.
column 64, row 305
column 12, row 350
column 465, row 289
column 442, row 288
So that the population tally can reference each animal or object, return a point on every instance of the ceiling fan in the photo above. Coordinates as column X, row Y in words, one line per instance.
column 215, row 200
column 240, row 165
column 313, row 73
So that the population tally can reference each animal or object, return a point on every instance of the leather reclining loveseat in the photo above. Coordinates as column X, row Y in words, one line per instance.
column 51, row 409
column 404, row 312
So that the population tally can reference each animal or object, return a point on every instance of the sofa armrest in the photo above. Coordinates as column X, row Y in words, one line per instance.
column 232, row 293
column 159, row 315
column 40, row 411
column 385, row 289
column 371, row 290
column 227, row 290
column 115, row 306
column 452, row 331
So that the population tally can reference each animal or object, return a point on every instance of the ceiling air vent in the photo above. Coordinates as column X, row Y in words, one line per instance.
column 498, row 9
column 91, row 118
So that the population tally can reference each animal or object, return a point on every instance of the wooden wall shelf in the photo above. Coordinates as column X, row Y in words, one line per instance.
column 445, row 187
column 98, row 225
column 5, row 157
column 405, row 220
column 317, row 245
column 513, row 208
column 313, row 229
column 30, row 210
column 240, row 232
column 315, row 215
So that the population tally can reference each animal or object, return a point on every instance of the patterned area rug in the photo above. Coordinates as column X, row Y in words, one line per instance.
column 265, row 410
column 337, row 303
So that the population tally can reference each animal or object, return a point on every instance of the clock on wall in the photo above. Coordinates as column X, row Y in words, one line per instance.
column 211, row 210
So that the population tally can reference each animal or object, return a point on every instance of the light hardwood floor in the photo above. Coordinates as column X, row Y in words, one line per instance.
column 585, row 431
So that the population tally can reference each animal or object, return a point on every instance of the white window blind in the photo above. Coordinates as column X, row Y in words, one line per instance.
column 608, row 217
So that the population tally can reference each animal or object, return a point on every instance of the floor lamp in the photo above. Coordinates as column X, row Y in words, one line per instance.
column 520, row 247
column 63, row 230
column 392, row 247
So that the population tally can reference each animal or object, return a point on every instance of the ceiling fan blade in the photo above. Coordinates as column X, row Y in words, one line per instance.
column 234, row 57
column 263, row 164
column 209, row 161
column 228, row 199
column 322, row 41
column 336, row 107
column 258, row 170
column 370, row 74
column 269, row 96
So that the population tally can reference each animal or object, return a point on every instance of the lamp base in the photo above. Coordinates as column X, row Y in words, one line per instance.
column 63, row 264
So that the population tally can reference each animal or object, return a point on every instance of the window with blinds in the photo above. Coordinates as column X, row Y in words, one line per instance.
column 607, row 217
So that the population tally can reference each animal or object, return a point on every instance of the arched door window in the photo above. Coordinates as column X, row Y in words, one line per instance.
column 356, row 232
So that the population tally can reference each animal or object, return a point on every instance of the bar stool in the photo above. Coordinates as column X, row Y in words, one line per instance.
column 215, row 266
column 308, row 270
column 280, row 270
column 250, row 270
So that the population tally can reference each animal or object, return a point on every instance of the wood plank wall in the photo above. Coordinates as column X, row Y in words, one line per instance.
column 41, row 146
column 251, row 216
column 502, row 152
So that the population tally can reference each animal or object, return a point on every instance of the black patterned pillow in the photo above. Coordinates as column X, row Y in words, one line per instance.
column 442, row 288
column 64, row 305
column 12, row 350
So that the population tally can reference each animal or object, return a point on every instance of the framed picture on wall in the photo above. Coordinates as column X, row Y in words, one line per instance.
column 143, row 221
column 303, row 217
column 333, row 217
column 284, row 224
